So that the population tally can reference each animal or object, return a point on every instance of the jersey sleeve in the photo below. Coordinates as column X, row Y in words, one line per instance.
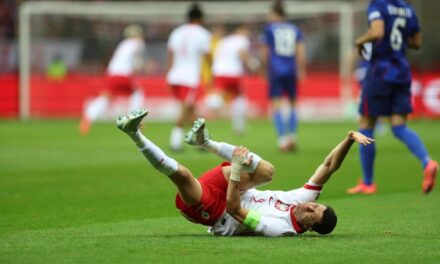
column 307, row 193
column 374, row 12
column 414, row 26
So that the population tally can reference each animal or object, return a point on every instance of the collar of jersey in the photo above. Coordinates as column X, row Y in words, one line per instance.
column 295, row 224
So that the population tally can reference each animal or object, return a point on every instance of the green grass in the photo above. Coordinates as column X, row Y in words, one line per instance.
column 71, row 199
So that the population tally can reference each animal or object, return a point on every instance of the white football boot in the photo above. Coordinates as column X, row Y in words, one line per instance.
column 198, row 134
column 130, row 123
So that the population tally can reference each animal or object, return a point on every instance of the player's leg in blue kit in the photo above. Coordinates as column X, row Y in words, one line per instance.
column 293, row 120
column 367, row 155
column 292, row 91
column 275, row 94
column 286, row 132
column 401, row 107
column 278, row 118
column 413, row 142
column 374, row 102
column 402, row 104
column 417, row 148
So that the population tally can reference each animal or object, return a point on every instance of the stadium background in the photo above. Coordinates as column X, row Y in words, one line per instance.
column 85, row 43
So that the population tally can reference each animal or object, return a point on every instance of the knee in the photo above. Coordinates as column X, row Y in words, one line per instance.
column 181, row 176
column 398, row 130
column 266, row 171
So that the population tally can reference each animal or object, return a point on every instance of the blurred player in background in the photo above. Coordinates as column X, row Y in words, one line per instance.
column 215, row 198
column 187, row 45
column 229, row 63
column 127, row 60
column 284, row 57
column 359, row 67
column 393, row 27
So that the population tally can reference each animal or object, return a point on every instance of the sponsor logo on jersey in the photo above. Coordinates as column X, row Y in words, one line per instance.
column 281, row 206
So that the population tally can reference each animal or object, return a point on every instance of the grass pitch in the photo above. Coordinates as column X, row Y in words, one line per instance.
column 71, row 199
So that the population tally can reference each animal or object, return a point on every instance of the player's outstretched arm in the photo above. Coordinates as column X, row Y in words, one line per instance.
column 233, row 206
column 334, row 160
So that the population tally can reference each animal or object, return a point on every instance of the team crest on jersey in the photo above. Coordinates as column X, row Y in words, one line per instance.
column 205, row 215
column 281, row 206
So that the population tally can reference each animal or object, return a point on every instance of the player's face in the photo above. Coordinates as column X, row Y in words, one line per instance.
column 272, row 17
column 311, row 212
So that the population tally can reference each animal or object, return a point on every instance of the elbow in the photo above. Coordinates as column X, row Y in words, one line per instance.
column 270, row 171
column 379, row 34
column 266, row 171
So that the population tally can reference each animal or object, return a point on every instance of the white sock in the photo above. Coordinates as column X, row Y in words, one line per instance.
column 97, row 107
column 176, row 140
column 154, row 154
column 238, row 109
column 224, row 150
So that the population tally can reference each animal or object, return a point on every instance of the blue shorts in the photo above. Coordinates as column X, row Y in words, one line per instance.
column 280, row 85
column 381, row 98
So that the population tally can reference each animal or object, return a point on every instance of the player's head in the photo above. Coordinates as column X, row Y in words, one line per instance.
column 316, row 217
column 195, row 13
column 242, row 29
column 327, row 223
column 133, row 31
column 277, row 12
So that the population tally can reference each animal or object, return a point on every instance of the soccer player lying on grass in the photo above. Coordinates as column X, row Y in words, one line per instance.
column 224, row 197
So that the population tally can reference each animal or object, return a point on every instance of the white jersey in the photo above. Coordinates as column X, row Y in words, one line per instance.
column 123, row 61
column 227, row 60
column 188, row 43
column 274, row 208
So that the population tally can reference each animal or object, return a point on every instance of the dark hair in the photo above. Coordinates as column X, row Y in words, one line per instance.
column 194, row 12
column 328, row 222
column 278, row 8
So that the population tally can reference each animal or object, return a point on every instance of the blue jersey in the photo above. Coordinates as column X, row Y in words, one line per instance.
column 388, row 60
column 282, row 38
column 361, row 70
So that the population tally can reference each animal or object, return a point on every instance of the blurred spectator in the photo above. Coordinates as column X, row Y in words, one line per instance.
column 57, row 69
column 7, row 19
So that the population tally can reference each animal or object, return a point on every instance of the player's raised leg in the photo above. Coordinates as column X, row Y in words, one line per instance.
column 258, row 172
column 188, row 187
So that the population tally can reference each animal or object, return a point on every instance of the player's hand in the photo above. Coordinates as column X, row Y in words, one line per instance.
column 240, row 155
column 360, row 138
column 360, row 49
